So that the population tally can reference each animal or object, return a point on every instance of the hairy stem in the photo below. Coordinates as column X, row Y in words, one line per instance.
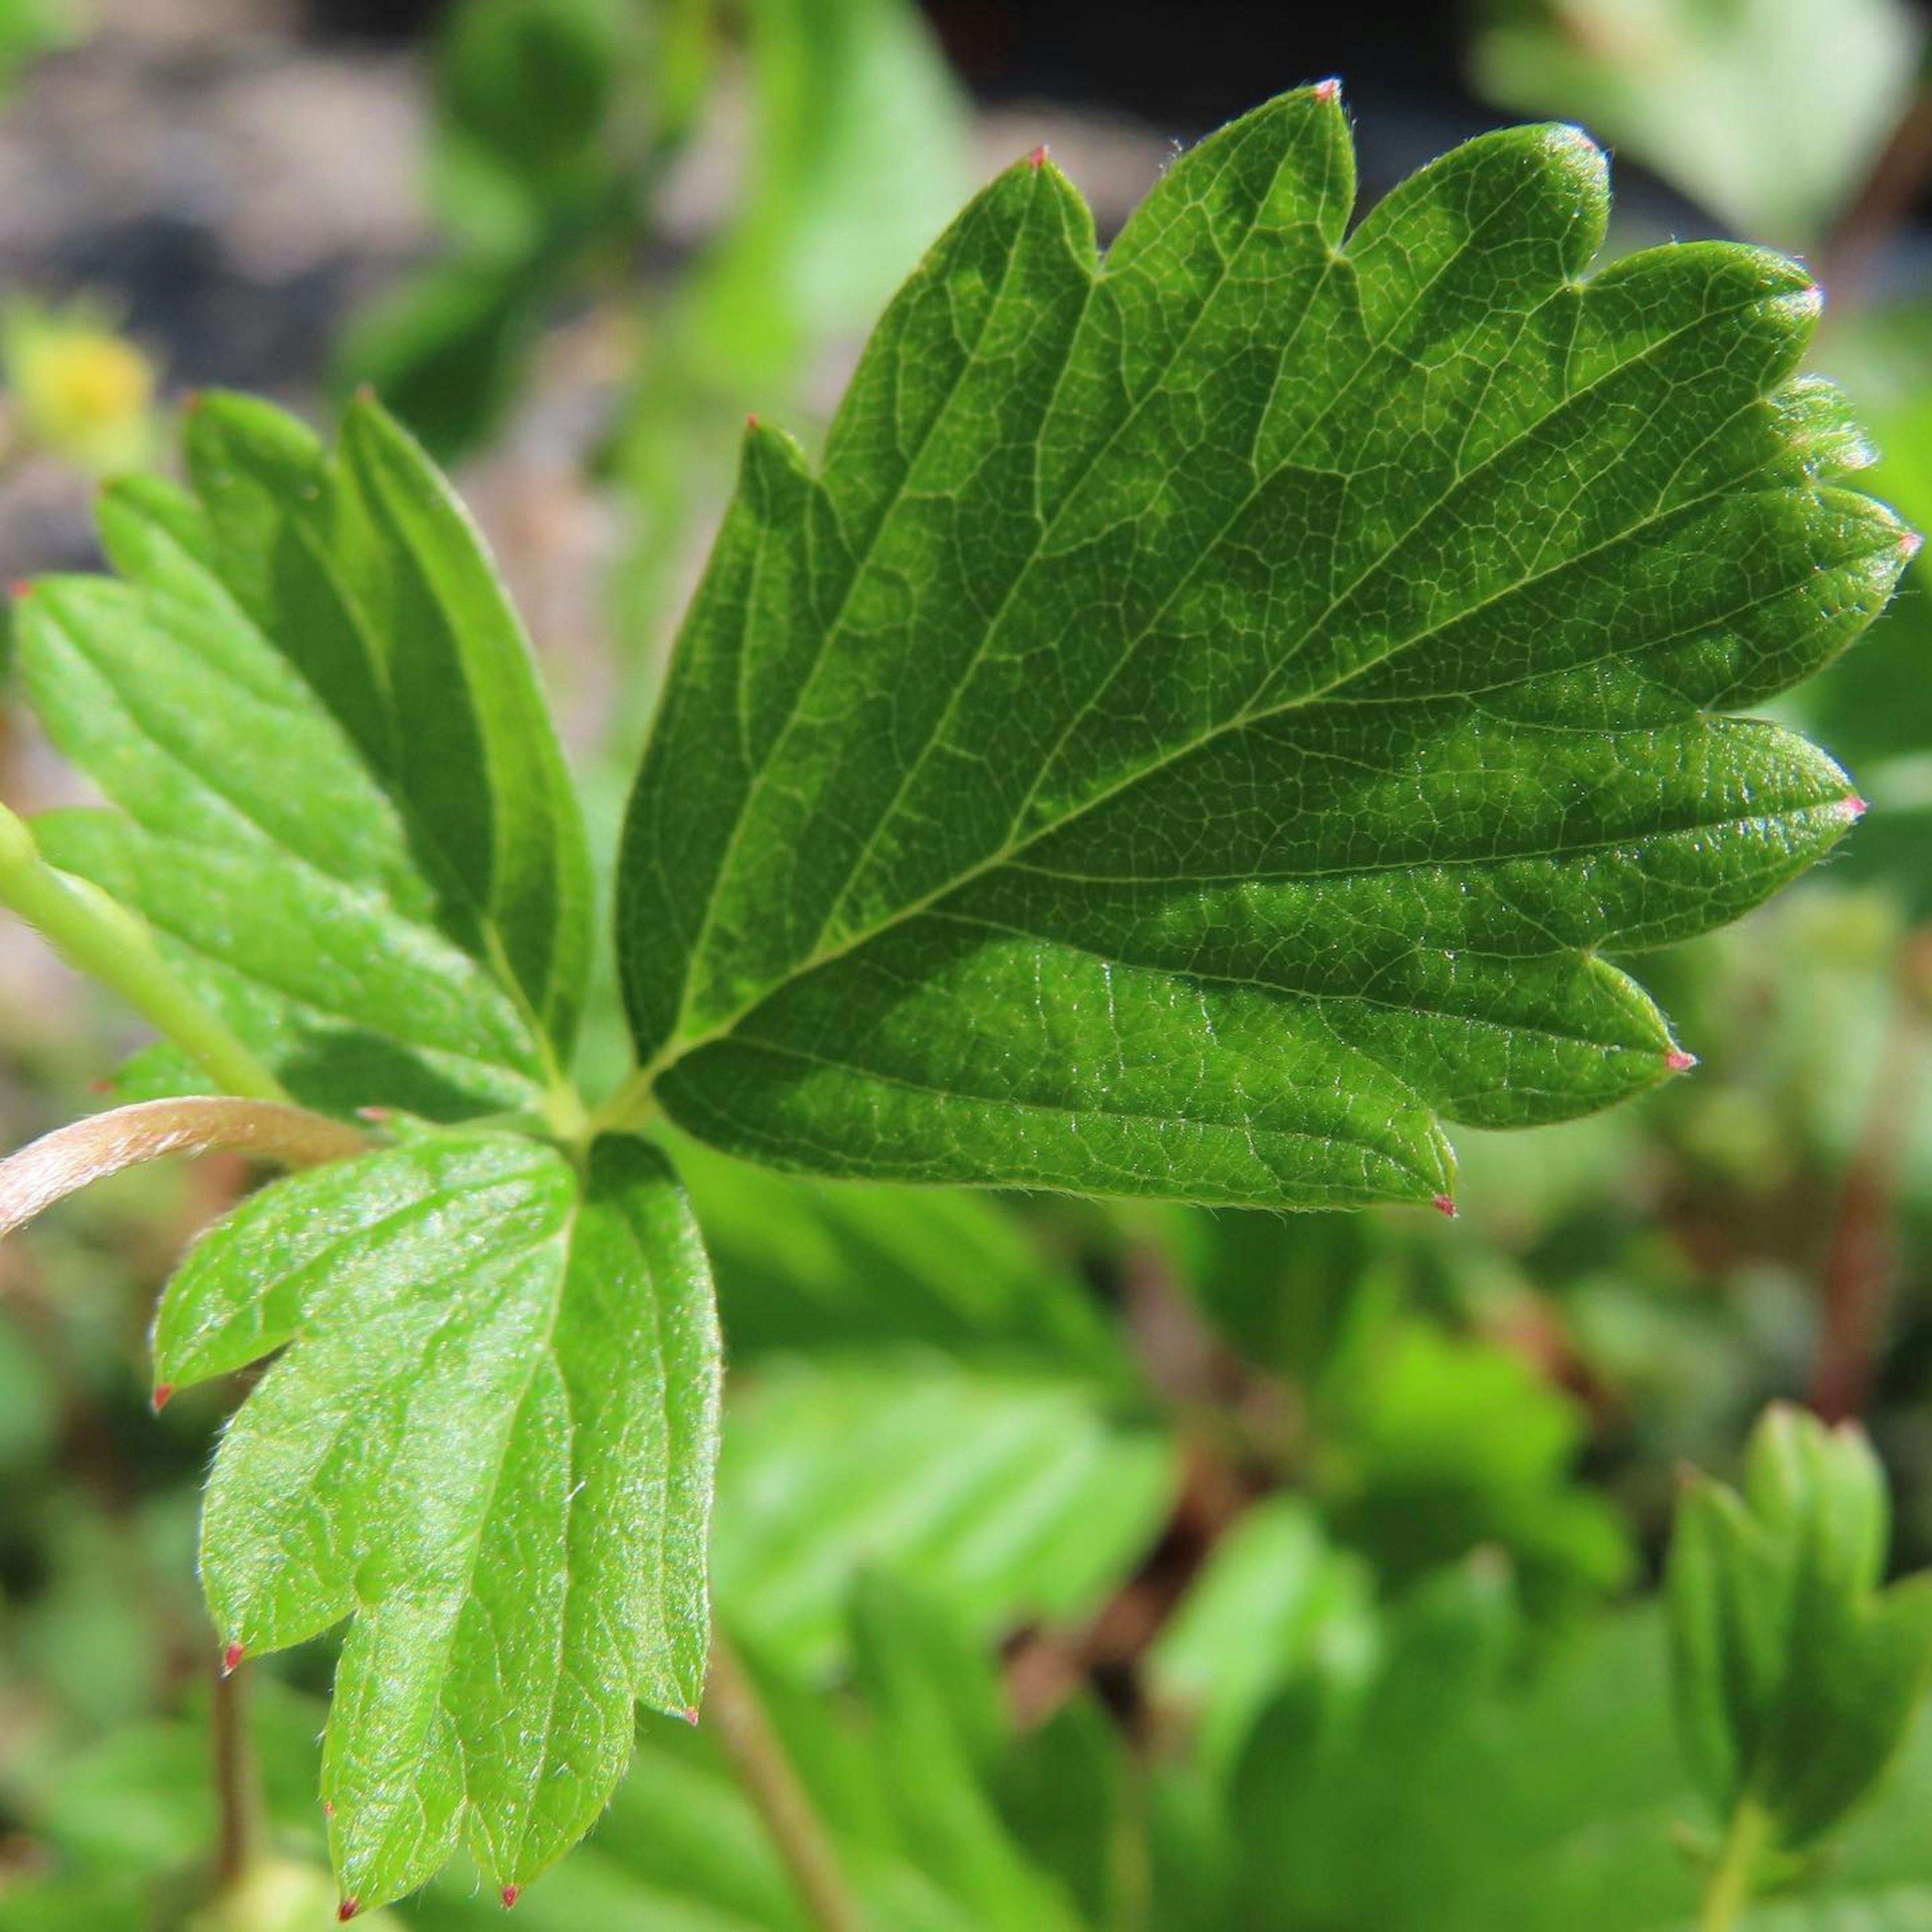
column 58, row 1164
column 107, row 942
column 238, row 1782
column 769, row 1780
column 1729, row 1891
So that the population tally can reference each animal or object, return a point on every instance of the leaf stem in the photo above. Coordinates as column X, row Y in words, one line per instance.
column 1730, row 1889
column 108, row 943
column 766, row 1775
column 630, row 1107
column 72, row 1157
column 238, row 1784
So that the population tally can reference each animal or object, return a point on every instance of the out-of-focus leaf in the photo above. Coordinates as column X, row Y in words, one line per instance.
column 31, row 27
column 1277, row 1600
column 1009, row 1497
column 913, row 1666
column 815, row 1266
column 1291, row 1292
column 859, row 154
column 1461, row 1793
column 1795, row 1677
column 1768, row 112
column 445, row 351
column 524, row 89
column 1442, row 1444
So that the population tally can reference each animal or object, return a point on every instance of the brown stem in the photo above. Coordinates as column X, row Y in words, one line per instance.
column 47, row 1170
column 238, row 1788
column 769, row 1780
column 1882, row 206
column 1855, row 1288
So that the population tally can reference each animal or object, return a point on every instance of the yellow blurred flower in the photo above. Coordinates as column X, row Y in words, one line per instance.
column 79, row 389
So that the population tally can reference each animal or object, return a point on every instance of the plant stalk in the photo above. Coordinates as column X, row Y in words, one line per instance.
column 769, row 1780
column 238, row 1783
column 109, row 944
column 1728, row 1892
column 72, row 1157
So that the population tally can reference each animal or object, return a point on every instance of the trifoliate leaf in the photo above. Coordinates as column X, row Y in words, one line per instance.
column 489, row 1439
column 343, row 809
column 1205, row 721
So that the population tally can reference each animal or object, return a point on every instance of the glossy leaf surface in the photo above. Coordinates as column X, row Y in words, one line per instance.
column 1203, row 723
column 488, row 1439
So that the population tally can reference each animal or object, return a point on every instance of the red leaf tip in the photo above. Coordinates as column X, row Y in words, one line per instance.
column 328, row 1807
column 1910, row 543
column 691, row 1715
column 231, row 1659
column 345, row 1911
column 512, row 1893
column 1443, row 1204
column 1037, row 159
column 162, row 1391
column 751, row 419
column 1851, row 809
column 20, row 589
column 375, row 1116
column 1678, row 1061
column 1328, row 90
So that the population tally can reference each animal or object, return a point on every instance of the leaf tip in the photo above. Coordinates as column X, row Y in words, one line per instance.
column 231, row 1659
column 160, row 1397
column 346, row 1910
column 752, row 421
column 1443, row 1204
column 21, row 589
column 512, row 1893
column 689, row 1713
column 1910, row 543
column 1328, row 90
column 328, row 1807
column 1678, row 1061
column 1037, row 159
column 1851, row 807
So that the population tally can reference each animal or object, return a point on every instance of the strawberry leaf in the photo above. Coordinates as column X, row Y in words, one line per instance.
column 1205, row 722
column 342, row 807
column 488, row 1438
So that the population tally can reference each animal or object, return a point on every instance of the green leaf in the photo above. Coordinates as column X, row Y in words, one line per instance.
column 1010, row 1497
column 1274, row 1600
column 913, row 1660
column 489, row 1439
column 525, row 89
column 824, row 231
column 1441, row 1445
column 1202, row 724
column 342, row 806
column 815, row 1267
column 1795, row 1676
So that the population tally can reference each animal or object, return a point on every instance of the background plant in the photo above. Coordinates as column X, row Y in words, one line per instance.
column 1296, row 1522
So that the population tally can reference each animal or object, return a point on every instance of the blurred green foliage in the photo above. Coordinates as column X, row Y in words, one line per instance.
column 1136, row 1568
